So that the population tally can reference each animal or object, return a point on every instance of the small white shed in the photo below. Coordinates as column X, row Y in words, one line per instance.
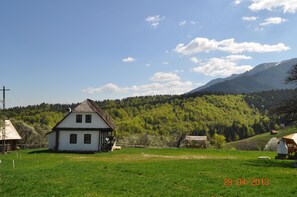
column 10, row 136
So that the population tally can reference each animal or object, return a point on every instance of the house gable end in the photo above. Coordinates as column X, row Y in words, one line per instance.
column 100, row 119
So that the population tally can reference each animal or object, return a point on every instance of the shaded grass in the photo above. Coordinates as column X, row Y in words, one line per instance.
column 144, row 172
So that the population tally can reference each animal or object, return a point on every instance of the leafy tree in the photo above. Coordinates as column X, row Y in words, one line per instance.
column 218, row 141
column 288, row 110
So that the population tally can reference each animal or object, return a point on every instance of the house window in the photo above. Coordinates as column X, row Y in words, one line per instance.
column 79, row 118
column 88, row 118
column 87, row 138
column 73, row 138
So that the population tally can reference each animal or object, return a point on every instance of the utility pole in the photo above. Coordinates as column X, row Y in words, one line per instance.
column 3, row 111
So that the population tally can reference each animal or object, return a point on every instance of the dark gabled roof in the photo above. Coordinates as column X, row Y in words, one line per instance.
column 101, row 113
column 90, row 106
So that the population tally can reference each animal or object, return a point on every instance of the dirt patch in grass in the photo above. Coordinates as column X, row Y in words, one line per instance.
column 145, row 157
column 185, row 157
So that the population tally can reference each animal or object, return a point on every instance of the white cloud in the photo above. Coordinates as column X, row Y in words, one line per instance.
column 182, row 23
column 154, row 21
column 195, row 60
column 166, row 84
column 237, row 2
column 199, row 45
column 160, row 76
column 128, row 60
column 222, row 67
column 273, row 21
column 165, row 63
column 171, row 87
column 287, row 6
column 107, row 88
column 238, row 57
column 196, row 46
column 249, row 18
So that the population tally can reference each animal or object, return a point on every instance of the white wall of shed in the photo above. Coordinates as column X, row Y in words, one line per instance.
column 51, row 140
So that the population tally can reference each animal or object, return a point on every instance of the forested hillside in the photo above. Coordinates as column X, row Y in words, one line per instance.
column 161, row 120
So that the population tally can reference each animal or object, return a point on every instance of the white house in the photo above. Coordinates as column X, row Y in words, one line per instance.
column 84, row 129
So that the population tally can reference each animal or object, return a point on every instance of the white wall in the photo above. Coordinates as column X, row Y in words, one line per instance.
column 70, row 121
column 65, row 145
column 51, row 140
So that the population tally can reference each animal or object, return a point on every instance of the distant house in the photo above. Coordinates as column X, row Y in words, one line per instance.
column 273, row 132
column 10, row 136
column 196, row 141
column 86, row 128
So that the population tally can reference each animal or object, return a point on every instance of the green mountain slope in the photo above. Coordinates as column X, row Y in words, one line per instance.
column 267, row 77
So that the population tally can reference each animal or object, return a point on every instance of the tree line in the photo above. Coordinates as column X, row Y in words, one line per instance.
column 162, row 120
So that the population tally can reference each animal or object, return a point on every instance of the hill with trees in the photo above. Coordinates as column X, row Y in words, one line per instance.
column 163, row 120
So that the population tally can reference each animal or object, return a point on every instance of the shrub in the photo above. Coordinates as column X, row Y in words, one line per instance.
column 247, row 145
column 218, row 141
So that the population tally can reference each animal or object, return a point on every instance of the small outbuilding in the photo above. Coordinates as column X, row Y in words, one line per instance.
column 9, row 136
column 273, row 132
column 287, row 146
column 196, row 141
column 291, row 141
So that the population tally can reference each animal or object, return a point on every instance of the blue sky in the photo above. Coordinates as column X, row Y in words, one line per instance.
column 66, row 51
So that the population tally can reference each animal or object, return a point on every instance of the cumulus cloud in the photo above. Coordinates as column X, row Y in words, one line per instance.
column 128, row 60
column 161, row 76
column 237, row 2
column 249, row 18
column 163, row 83
column 273, row 21
column 225, row 66
column 170, row 87
column 238, row 57
column 154, row 21
column 107, row 88
column 287, row 6
column 195, row 60
column 199, row 45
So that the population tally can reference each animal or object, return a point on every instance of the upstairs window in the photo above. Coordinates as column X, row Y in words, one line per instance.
column 87, row 138
column 78, row 118
column 88, row 118
column 73, row 139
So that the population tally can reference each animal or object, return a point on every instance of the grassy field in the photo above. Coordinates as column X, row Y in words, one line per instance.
column 146, row 172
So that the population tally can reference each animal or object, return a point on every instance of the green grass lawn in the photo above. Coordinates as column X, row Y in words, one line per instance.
column 146, row 172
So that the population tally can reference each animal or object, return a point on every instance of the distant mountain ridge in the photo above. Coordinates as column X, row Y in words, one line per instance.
column 267, row 76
